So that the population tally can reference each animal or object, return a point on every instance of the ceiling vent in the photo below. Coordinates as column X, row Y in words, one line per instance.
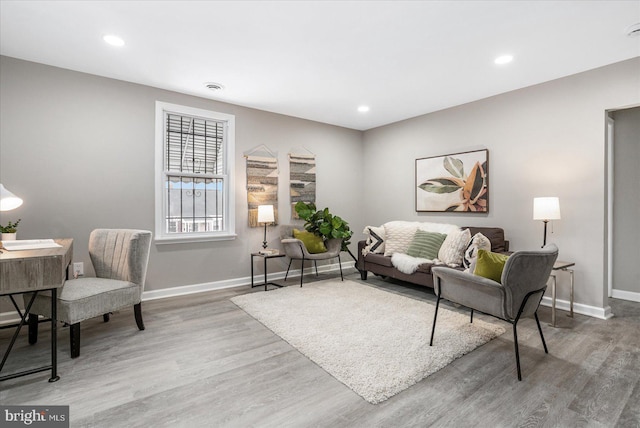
column 634, row 30
column 214, row 86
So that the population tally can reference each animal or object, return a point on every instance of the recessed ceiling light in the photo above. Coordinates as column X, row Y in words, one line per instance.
column 214, row 86
column 363, row 109
column 504, row 59
column 113, row 40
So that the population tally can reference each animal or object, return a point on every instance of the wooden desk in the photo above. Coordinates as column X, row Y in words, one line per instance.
column 32, row 271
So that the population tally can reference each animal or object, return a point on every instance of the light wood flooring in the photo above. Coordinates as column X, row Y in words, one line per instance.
column 203, row 362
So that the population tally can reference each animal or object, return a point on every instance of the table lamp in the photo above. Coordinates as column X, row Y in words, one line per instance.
column 545, row 209
column 8, row 201
column 265, row 215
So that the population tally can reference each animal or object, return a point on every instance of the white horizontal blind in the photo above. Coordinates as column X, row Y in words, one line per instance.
column 194, row 174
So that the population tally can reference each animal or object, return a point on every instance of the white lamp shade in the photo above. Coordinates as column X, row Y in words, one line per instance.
column 265, row 214
column 8, row 201
column 547, row 208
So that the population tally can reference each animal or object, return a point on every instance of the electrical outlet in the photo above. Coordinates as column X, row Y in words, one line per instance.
column 78, row 269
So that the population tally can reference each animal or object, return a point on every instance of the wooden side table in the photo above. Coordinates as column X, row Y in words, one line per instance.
column 264, row 257
column 561, row 266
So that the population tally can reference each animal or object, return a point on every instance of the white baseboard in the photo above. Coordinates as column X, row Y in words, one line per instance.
column 237, row 282
column 625, row 295
column 580, row 308
column 12, row 316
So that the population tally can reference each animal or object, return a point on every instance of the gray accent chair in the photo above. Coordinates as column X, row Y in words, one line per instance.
column 523, row 283
column 119, row 258
column 295, row 250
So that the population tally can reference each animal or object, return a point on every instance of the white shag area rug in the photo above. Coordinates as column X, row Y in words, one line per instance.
column 373, row 341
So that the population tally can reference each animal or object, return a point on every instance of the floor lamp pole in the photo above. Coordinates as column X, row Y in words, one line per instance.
column 544, row 240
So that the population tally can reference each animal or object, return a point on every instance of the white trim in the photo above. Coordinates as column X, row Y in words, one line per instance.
column 610, row 173
column 12, row 317
column 160, row 237
column 237, row 282
column 580, row 308
column 625, row 295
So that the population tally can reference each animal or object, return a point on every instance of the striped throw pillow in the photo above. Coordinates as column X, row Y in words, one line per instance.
column 425, row 245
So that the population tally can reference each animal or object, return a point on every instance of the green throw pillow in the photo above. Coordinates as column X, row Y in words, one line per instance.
column 426, row 244
column 313, row 243
column 490, row 265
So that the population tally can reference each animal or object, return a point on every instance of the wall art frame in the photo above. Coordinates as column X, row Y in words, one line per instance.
column 456, row 182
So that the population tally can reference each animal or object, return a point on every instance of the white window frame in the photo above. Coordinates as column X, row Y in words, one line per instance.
column 161, row 235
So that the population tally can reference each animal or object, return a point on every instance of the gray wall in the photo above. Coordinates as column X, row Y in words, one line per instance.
column 545, row 140
column 79, row 149
column 626, row 208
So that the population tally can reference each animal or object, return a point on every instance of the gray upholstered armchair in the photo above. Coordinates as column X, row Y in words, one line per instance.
column 295, row 250
column 523, row 283
column 119, row 258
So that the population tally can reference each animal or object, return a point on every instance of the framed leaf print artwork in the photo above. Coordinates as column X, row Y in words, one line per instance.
column 453, row 183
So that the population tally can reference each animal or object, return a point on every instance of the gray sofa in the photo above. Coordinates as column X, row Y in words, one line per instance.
column 379, row 264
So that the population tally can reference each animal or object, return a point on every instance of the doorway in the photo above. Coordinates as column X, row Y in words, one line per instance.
column 623, row 196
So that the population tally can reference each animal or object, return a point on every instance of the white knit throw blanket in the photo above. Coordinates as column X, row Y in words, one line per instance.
column 407, row 264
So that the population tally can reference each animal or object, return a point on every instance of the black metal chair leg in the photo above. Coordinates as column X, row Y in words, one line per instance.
column 105, row 317
column 315, row 263
column 546, row 351
column 33, row 328
column 301, row 271
column 435, row 316
column 471, row 316
column 288, row 267
column 74, row 336
column 340, row 264
column 137, row 311
column 515, row 343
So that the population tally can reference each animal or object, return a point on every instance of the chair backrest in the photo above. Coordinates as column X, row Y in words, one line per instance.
column 286, row 230
column 120, row 254
column 524, row 272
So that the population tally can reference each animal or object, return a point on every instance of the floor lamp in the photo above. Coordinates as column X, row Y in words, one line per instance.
column 545, row 209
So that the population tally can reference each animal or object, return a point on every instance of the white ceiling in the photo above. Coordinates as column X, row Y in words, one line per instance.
column 320, row 60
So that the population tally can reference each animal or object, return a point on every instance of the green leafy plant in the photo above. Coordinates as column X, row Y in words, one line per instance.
column 323, row 223
column 10, row 227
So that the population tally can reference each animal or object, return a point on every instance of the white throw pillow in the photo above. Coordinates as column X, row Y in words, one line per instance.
column 478, row 242
column 375, row 240
column 398, row 235
column 452, row 250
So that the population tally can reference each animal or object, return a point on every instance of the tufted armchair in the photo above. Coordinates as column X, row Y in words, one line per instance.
column 517, row 295
column 119, row 258
column 295, row 250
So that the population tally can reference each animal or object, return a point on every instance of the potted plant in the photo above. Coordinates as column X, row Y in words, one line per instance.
column 325, row 224
column 9, row 231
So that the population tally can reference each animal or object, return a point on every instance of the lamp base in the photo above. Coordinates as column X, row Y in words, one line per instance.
column 269, row 252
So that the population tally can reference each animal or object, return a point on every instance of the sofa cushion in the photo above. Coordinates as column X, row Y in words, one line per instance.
column 375, row 240
column 312, row 242
column 494, row 234
column 490, row 265
column 452, row 250
column 378, row 259
column 425, row 245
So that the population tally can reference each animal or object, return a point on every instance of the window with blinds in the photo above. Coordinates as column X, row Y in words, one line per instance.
column 195, row 175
